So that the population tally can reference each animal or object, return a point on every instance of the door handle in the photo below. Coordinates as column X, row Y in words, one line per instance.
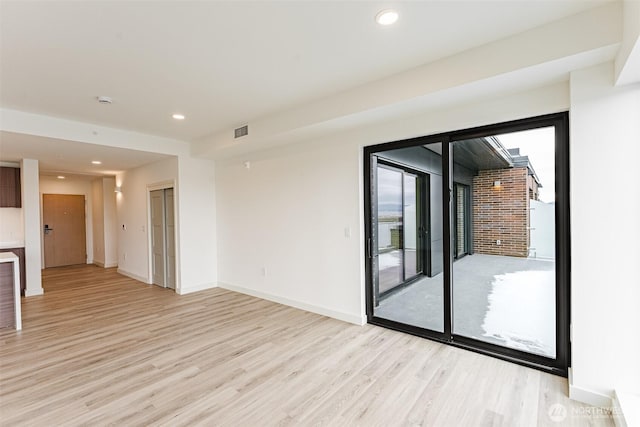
column 47, row 229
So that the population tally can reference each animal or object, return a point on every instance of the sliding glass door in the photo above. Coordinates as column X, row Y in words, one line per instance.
column 468, row 238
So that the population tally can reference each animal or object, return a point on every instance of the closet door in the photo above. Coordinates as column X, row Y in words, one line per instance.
column 158, row 243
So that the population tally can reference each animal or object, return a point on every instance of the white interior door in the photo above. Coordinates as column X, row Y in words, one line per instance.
column 163, row 245
column 158, row 243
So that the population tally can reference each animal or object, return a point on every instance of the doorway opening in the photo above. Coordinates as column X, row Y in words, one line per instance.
column 162, row 227
column 468, row 239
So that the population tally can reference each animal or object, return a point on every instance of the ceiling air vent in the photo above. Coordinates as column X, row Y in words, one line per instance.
column 241, row 131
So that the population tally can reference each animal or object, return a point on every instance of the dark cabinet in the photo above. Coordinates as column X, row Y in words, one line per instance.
column 10, row 193
column 20, row 254
column 7, row 299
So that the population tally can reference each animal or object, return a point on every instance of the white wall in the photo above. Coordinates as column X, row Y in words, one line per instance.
column 288, row 214
column 29, row 177
column 97, row 208
column 196, row 199
column 110, row 227
column 74, row 186
column 11, row 227
column 605, row 228
column 103, row 204
column 132, row 212
column 291, row 212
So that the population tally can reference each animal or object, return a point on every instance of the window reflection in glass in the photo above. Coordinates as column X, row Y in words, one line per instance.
column 410, row 263
column 389, row 228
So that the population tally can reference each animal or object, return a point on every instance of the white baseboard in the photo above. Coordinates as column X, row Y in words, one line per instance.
column 345, row 317
column 589, row 397
column 30, row 292
column 103, row 265
column 626, row 409
column 618, row 414
column 197, row 288
column 133, row 276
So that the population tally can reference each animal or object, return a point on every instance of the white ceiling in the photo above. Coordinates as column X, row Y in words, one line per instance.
column 58, row 156
column 223, row 64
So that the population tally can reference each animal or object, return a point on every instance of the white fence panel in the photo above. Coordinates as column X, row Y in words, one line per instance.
column 543, row 230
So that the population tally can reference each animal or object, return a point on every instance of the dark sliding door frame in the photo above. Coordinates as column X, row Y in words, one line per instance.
column 560, row 121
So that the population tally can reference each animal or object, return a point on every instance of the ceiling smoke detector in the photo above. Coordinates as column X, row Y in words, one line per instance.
column 104, row 100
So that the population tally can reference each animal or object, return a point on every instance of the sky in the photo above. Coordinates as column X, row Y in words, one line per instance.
column 539, row 145
column 389, row 192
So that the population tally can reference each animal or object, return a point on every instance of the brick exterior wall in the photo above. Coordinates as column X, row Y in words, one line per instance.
column 501, row 213
column 533, row 188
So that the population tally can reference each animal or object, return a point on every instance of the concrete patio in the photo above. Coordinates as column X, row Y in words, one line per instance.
column 502, row 300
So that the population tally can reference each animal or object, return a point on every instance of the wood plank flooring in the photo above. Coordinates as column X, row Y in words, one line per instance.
column 102, row 349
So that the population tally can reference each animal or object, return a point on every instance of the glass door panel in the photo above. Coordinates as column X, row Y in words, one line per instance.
column 504, row 294
column 409, row 243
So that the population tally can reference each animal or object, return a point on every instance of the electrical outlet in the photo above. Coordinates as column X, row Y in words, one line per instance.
column 263, row 271
column 498, row 242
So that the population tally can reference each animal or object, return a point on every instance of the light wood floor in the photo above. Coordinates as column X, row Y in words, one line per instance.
column 102, row 349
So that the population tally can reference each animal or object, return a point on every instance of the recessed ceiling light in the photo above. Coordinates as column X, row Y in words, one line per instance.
column 60, row 177
column 96, row 162
column 178, row 116
column 387, row 17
